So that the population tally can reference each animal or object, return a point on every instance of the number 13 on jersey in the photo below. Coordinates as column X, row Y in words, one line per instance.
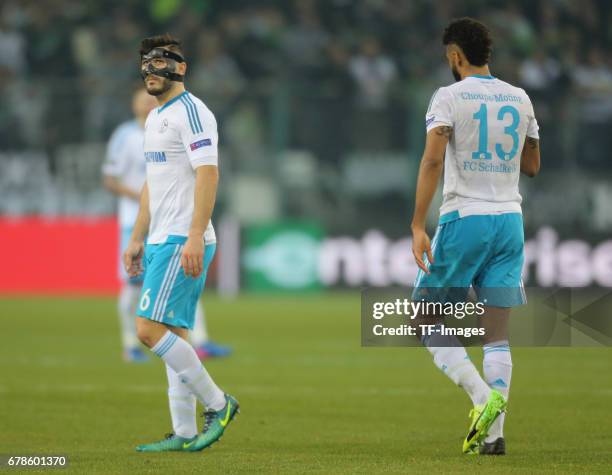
column 483, row 133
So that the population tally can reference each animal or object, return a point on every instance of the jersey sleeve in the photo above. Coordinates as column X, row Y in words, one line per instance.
column 115, row 163
column 199, row 136
column 532, row 123
column 440, row 110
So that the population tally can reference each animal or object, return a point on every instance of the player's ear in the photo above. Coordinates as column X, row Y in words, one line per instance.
column 451, row 54
column 456, row 56
column 461, row 58
column 181, row 68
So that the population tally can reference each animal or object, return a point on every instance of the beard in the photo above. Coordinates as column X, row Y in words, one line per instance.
column 456, row 74
column 159, row 88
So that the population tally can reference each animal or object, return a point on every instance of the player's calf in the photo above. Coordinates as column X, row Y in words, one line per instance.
column 451, row 358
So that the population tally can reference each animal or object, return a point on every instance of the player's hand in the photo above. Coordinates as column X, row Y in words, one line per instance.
column 193, row 256
column 420, row 246
column 132, row 258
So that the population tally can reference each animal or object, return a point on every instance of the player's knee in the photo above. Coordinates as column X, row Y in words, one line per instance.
column 423, row 325
column 489, row 337
column 145, row 333
column 145, row 337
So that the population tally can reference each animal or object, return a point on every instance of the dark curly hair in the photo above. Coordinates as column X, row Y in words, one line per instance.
column 473, row 37
column 167, row 41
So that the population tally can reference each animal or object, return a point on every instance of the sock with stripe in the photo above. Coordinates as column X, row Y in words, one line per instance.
column 450, row 356
column 126, row 305
column 199, row 335
column 497, row 369
column 182, row 358
column 182, row 406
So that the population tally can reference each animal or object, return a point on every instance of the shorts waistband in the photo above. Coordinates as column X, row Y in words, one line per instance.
column 174, row 239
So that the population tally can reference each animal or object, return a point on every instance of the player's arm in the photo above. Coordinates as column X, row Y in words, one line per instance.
column 530, row 157
column 132, row 258
column 206, row 180
column 430, row 170
column 116, row 187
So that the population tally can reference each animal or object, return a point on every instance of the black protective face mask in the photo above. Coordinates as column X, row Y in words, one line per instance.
column 169, row 71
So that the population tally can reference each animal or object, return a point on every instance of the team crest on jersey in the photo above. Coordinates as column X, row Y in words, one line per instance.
column 164, row 126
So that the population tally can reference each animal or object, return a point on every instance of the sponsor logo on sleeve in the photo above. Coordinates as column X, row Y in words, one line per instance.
column 200, row 144
column 429, row 120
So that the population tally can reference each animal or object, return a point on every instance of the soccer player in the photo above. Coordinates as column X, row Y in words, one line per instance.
column 176, row 204
column 124, row 176
column 483, row 133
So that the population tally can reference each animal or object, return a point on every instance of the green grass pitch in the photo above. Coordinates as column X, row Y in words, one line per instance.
column 313, row 400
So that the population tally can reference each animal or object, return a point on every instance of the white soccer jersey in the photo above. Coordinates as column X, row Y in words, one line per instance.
column 179, row 137
column 125, row 161
column 490, row 120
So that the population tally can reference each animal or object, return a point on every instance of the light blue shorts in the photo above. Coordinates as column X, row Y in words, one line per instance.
column 168, row 296
column 480, row 251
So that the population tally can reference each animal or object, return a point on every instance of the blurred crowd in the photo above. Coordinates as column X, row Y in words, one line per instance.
column 328, row 76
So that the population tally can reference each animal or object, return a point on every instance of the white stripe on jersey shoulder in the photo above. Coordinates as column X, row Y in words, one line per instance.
column 192, row 114
column 189, row 98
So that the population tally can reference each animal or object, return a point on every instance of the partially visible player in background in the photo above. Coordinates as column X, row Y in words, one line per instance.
column 124, row 175
column 483, row 133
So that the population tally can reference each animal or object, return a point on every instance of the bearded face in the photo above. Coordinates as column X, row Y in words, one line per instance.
column 153, row 71
column 157, row 85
